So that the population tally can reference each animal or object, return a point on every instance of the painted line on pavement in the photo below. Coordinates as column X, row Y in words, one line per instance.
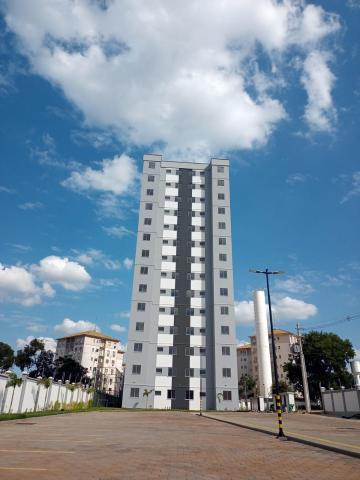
column 3, row 450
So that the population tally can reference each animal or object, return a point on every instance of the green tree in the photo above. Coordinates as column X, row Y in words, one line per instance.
column 44, row 365
column 13, row 382
column 327, row 357
column 283, row 387
column 26, row 358
column 246, row 385
column 6, row 357
column 146, row 394
column 69, row 369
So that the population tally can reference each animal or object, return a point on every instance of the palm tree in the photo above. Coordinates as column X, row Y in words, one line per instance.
column 14, row 382
column 146, row 394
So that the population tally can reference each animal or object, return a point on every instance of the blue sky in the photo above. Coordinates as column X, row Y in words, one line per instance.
column 86, row 88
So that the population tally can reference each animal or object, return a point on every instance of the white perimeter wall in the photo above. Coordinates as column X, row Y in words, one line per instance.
column 32, row 395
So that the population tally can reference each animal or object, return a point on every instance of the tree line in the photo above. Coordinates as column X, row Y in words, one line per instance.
column 39, row 362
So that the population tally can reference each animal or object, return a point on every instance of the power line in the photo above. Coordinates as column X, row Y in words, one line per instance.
column 348, row 318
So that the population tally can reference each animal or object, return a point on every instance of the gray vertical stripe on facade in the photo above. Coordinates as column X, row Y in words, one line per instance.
column 180, row 383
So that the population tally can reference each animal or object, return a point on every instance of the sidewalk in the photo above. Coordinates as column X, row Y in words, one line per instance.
column 330, row 433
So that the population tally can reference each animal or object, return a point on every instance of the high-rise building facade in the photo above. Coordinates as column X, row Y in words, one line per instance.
column 181, row 344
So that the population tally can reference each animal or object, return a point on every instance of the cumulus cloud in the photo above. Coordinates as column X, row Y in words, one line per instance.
column 28, row 285
column 18, row 285
column 128, row 263
column 49, row 342
column 318, row 80
column 175, row 74
column 118, row 328
column 285, row 309
column 116, row 176
column 68, row 326
column 296, row 178
column 31, row 206
column 355, row 188
column 57, row 270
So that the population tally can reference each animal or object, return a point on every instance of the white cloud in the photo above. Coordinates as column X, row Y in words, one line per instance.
column 50, row 343
column 318, row 80
column 173, row 74
column 355, row 188
column 118, row 328
column 128, row 263
column 68, row 326
column 294, row 284
column 296, row 178
column 284, row 309
column 57, row 270
column 4, row 189
column 18, row 285
column 93, row 256
column 123, row 314
column 116, row 176
column 118, row 231
column 31, row 206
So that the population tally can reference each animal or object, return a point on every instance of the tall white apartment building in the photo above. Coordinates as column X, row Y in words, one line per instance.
column 181, row 344
column 99, row 354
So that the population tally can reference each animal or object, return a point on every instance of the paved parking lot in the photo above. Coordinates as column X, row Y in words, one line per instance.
column 156, row 445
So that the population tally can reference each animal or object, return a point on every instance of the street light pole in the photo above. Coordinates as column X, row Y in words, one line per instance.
column 304, row 373
column 266, row 272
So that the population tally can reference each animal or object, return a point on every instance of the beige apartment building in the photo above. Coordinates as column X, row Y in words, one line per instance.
column 100, row 354
column 247, row 354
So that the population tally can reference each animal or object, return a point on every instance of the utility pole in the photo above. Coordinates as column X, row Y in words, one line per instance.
column 303, row 372
column 281, row 435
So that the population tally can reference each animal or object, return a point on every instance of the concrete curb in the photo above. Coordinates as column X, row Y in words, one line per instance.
column 293, row 438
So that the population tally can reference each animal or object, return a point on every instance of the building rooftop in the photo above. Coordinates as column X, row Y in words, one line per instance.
column 278, row 332
column 90, row 333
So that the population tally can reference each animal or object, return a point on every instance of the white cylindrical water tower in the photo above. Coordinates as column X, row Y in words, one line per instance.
column 355, row 370
column 262, row 345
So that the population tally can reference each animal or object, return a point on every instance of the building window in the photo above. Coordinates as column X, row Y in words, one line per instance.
column 173, row 330
column 223, row 292
column 151, row 178
column 222, row 241
column 147, row 221
column 158, row 393
column 141, row 307
column 136, row 369
column 189, row 372
column 161, row 329
column 172, row 350
column 145, row 253
column 171, row 372
column 202, row 331
column 225, row 350
column 150, row 192
column 225, row 330
column 221, row 225
column 138, row 347
column 142, row 287
column 171, row 394
column 221, row 196
column 189, row 331
column 221, row 210
column 159, row 370
column 144, row 270
column 189, row 351
column 220, row 169
column 224, row 310
column 222, row 257
column 221, row 183
column 148, row 206
column 134, row 393
column 223, row 273
column 202, row 351
column 151, row 164
column 160, row 349
column 146, row 237
column 189, row 395
column 227, row 395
